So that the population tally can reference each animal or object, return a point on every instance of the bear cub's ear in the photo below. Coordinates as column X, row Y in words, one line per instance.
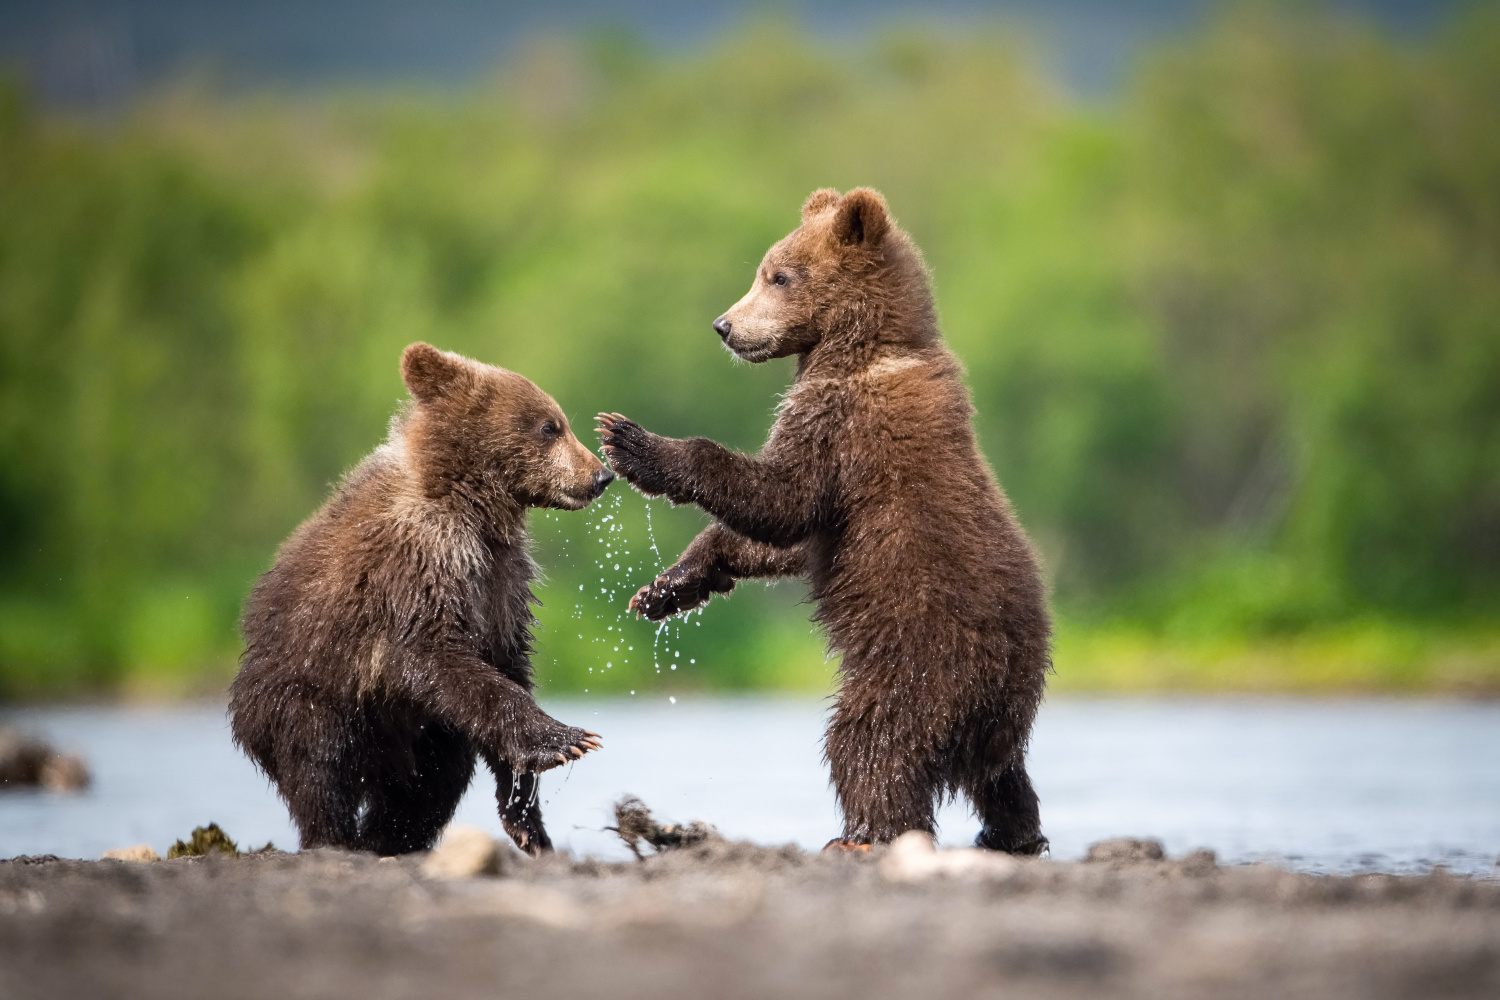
column 427, row 371
column 818, row 201
column 861, row 218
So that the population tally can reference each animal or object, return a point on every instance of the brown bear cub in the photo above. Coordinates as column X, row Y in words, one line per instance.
column 390, row 643
column 871, row 485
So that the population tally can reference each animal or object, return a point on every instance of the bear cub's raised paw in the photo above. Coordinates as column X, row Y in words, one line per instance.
column 550, row 744
column 633, row 452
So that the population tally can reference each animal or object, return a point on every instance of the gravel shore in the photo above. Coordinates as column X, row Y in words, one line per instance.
column 731, row 920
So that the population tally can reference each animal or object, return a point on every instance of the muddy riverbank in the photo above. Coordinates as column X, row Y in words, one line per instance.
column 735, row 920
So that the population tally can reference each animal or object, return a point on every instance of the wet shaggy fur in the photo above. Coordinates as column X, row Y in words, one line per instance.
column 871, row 486
column 389, row 646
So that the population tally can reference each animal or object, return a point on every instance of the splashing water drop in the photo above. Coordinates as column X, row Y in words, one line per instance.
column 651, row 534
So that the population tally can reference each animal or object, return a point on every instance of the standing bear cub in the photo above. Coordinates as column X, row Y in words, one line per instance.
column 871, row 485
column 390, row 644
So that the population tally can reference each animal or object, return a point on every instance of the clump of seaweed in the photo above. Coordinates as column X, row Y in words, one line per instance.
column 204, row 840
column 634, row 823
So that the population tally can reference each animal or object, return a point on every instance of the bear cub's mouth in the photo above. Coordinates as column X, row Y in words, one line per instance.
column 577, row 499
column 761, row 350
column 569, row 500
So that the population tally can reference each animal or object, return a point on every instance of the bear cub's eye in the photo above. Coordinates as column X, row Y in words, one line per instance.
column 549, row 429
column 780, row 278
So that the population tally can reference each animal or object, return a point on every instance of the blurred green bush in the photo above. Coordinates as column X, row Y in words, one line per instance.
column 1234, row 341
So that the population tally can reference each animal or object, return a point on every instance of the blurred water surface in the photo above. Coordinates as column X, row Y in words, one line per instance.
column 1320, row 786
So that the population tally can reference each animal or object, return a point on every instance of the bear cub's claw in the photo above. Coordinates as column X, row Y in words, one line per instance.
column 839, row 845
column 628, row 446
column 561, row 745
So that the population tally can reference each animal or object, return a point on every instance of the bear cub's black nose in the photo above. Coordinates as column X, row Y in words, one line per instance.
column 722, row 326
column 602, row 478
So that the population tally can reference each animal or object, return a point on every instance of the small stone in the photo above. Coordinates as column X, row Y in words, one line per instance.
column 913, row 857
column 1198, row 863
column 1125, row 850
column 140, row 852
column 464, row 852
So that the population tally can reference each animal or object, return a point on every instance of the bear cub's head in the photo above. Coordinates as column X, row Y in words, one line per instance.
column 482, row 432
column 846, row 262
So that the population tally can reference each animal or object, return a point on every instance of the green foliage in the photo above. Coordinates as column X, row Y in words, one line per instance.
column 1234, row 344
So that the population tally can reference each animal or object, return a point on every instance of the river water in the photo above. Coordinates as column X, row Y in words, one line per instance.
column 1360, row 785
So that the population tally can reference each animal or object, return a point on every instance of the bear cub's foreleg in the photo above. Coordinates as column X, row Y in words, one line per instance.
column 711, row 565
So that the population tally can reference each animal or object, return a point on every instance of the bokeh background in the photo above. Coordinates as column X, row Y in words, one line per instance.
column 1225, row 279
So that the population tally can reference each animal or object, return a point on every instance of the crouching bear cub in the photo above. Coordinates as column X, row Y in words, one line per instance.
column 872, row 487
column 389, row 645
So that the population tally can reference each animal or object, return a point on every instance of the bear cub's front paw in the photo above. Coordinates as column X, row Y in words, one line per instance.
column 633, row 452
column 677, row 591
column 526, row 831
column 548, row 745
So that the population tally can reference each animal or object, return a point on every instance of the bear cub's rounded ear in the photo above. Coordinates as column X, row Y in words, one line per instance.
column 818, row 201
column 427, row 371
column 861, row 218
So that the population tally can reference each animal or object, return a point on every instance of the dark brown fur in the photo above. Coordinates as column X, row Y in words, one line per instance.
column 872, row 486
column 389, row 645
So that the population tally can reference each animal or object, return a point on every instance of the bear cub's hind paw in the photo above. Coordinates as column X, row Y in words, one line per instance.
column 838, row 845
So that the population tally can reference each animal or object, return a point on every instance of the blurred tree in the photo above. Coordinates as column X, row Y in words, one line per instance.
column 1234, row 345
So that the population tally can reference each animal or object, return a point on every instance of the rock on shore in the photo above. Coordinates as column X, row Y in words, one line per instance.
column 27, row 762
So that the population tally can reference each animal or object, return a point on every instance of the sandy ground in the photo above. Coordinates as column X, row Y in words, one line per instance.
column 727, row 920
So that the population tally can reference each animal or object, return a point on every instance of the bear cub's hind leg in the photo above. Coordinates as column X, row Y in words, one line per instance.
column 410, row 797
column 885, row 781
column 316, row 775
column 1007, row 806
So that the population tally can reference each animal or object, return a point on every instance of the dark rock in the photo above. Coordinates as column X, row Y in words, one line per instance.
column 28, row 762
